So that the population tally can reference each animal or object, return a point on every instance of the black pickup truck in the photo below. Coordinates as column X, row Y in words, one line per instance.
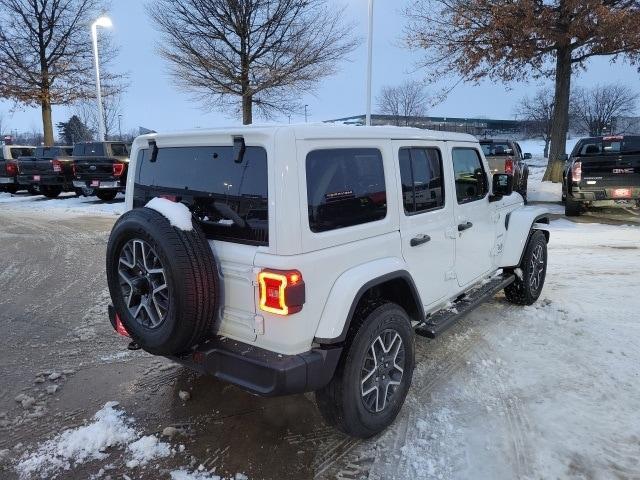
column 602, row 171
column 9, row 155
column 49, row 171
column 101, row 168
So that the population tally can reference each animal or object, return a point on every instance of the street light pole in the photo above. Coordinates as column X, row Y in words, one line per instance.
column 120, row 125
column 106, row 23
column 305, row 113
column 369, row 63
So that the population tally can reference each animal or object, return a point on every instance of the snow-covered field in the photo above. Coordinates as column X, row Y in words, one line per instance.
column 67, row 204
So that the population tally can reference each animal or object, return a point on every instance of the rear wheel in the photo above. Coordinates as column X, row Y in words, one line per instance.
column 106, row 195
column 373, row 376
column 571, row 207
column 533, row 270
column 51, row 191
column 12, row 189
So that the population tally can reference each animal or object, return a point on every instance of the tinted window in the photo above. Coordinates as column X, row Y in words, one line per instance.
column 422, row 182
column 230, row 199
column 496, row 149
column 345, row 187
column 119, row 150
column 88, row 150
column 471, row 181
column 21, row 152
column 51, row 152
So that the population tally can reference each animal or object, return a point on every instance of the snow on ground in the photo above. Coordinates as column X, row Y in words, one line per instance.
column 546, row 391
column 67, row 204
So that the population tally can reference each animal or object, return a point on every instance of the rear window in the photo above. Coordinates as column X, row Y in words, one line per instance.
column 608, row 146
column 345, row 187
column 52, row 152
column 119, row 150
column 88, row 150
column 21, row 152
column 229, row 199
column 496, row 149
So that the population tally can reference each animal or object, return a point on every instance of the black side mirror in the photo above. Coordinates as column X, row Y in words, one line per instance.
column 502, row 186
column 528, row 156
column 564, row 157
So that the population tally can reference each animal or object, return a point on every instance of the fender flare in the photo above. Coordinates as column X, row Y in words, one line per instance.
column 349, row 289
column 520, row 225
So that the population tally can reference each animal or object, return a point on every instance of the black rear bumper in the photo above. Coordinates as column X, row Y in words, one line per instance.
column 595, row 194
column 49, row 180
column 259, row 371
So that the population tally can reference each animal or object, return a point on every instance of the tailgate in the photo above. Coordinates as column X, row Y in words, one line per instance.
column 496, row 164
column 86, row 167
column 32, row 166
column 623, row 171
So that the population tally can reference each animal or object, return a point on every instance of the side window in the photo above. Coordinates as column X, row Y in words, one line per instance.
column 422, row 181
column 471, row 180
column 345, row 187
column 119, row 150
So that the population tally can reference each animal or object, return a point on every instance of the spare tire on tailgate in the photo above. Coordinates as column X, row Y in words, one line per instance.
column 162, row 280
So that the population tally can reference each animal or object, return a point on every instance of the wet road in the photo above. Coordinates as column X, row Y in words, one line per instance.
column 53, row 301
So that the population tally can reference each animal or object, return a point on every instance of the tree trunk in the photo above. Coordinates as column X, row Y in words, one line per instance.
column 47, row 123
column 547, row 141
column 560, row 122
column 247, row 109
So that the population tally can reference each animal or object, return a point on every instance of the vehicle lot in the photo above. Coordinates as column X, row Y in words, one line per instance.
column 551, row 391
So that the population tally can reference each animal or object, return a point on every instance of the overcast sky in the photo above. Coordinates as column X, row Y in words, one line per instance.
column 153, row 102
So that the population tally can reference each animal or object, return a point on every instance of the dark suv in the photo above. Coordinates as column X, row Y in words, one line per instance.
column 49, row 171
column 101, row 168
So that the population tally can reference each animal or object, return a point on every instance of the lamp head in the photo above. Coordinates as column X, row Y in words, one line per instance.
column 104, row 22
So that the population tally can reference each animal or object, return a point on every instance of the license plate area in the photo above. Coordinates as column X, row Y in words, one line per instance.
column 95, row 183
column 36, row 178
column 621, row 193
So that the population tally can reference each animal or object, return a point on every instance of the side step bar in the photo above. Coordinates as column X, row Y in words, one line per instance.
column 440, row 321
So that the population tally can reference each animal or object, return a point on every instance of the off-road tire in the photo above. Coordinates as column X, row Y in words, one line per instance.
column 50, row 191
column 190, row 275
column 571, row 207
column 525, row 290
column 341, row 402
column 106, row 195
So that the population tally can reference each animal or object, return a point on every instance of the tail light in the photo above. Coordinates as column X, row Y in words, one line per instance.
column 120, row 327
column 118, row 168
column 57, row 165
column 508, row 166
column 281, row 291
column 12, row 169
column 576, row 172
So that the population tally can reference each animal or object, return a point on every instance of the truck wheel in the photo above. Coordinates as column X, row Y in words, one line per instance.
column 106, row 195
column 373, row 376
column 162, row 281
column 50, row 191
column 526, row 290
column 572, row 208
column 12, row 189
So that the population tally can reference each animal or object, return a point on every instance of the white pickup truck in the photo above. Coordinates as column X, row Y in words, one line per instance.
column 288, row 259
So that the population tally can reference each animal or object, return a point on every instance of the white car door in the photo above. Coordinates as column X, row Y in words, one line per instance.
column 426, row 218
column 473, row 214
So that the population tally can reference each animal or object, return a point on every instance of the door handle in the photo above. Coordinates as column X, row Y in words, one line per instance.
column 464, row 226
column 419, row 240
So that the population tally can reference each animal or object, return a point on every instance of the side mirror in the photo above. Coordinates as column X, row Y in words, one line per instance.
column 564, row 157
column 528, row 156
column 502, row 186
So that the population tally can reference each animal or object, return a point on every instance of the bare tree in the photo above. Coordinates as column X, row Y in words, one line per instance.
column 403, row 101
column 87, row 111
column 517, row 39
column 244, row 53
column 537, row 113
column 45, row 53
column 602, row 109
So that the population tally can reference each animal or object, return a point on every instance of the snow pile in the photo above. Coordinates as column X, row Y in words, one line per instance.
column 65, row 204
column 177, row 213
column 146, row 449
column 110, row 428
column 79, row 445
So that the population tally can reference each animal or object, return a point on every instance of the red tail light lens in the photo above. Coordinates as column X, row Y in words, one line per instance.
column 12, row 169
column 57, row 165
column 508, row 166
column 281, row 291
column 120, row 327
column 118, row 168
column 576, row 172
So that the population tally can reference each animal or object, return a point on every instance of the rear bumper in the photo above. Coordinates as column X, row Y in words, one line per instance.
column 7, row 181
column 51, row 180
column 582, row 194
column 261, row 372
column 102, row 184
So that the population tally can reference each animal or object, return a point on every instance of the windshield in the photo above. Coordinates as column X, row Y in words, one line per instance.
column 496, row 149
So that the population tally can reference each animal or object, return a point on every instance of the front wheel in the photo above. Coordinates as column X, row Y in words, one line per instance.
column 373, row 376
column 528, row 284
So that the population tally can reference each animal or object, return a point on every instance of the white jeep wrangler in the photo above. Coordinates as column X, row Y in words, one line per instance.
column 290, row 259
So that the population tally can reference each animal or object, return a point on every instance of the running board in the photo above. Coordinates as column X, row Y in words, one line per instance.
column 440, row 321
